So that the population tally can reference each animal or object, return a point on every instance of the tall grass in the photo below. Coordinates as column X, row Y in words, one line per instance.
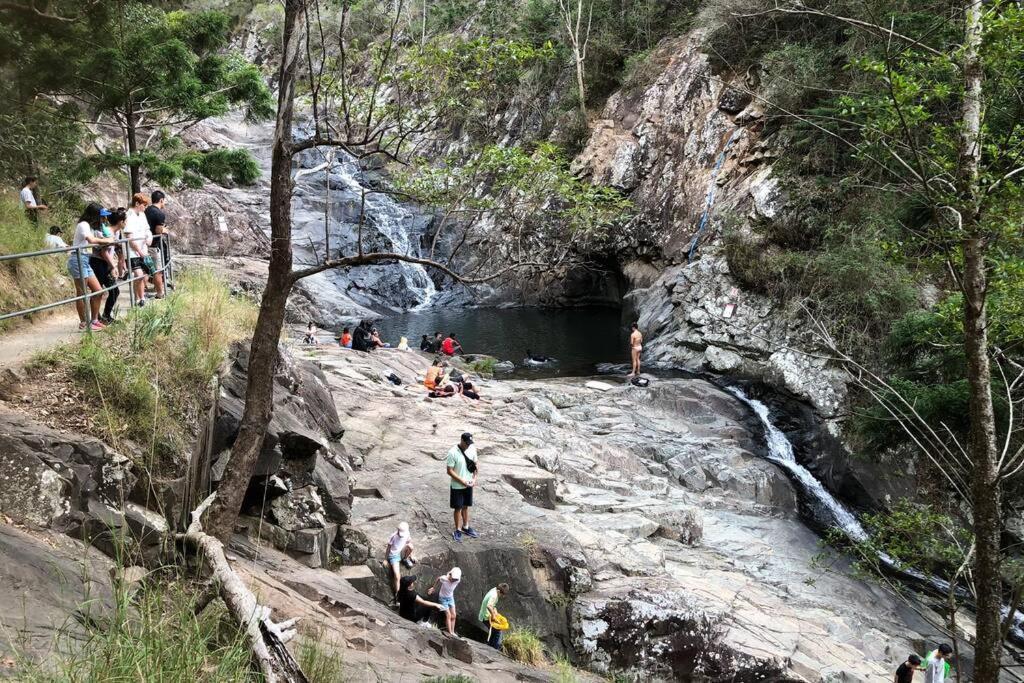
column 523, row 645
column 28, row 282
column 319, row 659
column 155, row 636
column 147, row 377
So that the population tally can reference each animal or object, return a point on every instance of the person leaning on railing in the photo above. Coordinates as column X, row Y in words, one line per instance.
column 87, row 232
column 137, row 230
column 107, row 261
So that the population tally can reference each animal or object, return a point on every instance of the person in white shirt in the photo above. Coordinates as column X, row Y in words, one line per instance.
column 87, row 232
column 398, row 552
column 54, row 240
column 137, row 231
column 28, row 198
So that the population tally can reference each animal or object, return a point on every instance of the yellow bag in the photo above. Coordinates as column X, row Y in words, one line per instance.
column 499, row 622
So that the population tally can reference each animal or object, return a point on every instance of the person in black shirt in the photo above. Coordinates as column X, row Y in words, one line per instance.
column 157, row 220
column 411, row 606
column 905, row 672
column 361, row 337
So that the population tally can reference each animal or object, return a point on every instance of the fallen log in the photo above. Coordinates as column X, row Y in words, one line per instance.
column 267, row 638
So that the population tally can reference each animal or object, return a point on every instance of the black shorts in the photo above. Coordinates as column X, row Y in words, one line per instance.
column 143, row 264
column 460, row 498
column 103, row 271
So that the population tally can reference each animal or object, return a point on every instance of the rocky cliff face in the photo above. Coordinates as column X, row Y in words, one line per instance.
column 688, row 149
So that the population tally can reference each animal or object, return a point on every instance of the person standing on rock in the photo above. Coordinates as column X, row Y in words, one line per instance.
column 937, row 664
column 635, row 347
column 905, row 672
column 445, row 587
column 462, row 470
column 398, row 552
column 489, row 613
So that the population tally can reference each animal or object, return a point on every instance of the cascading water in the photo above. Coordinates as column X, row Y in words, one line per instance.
column 709, row 197
column 391, row 219
column 780, row 452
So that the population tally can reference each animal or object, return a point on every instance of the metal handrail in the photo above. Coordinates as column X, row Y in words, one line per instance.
column 166, row 269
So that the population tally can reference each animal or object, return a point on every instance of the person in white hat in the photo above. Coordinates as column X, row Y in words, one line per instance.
column 445, row 586
column 398, row 552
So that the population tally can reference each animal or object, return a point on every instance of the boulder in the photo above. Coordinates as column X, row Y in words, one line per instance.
column 299, row 509
column 544, row 409
column 647, row 632
column 539, row 491
column 333, row 486
column 49, row 478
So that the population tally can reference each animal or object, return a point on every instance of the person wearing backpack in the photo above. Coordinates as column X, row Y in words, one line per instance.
column 462, row 469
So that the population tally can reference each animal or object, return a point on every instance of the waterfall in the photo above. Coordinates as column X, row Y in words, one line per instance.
column 709, row 198
column 780, row 452
column 391, row 219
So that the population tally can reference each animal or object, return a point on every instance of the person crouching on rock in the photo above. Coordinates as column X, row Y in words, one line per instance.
column 489, row 614
column 411, row 606
column 445, row 587
column 461, row 465
column 398, row 552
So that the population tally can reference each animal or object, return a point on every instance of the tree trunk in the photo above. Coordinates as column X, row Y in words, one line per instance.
column 986, row 488
column 131, row 118
column 985, row 485
column 579, row 85
column 259, row 392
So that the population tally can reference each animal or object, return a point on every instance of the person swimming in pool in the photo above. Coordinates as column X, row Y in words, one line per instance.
column 635, row 347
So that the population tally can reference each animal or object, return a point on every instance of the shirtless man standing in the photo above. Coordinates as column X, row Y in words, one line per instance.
column 635, row 346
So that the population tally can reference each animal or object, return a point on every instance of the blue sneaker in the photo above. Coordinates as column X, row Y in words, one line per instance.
column 471, row 532
column 457, row 535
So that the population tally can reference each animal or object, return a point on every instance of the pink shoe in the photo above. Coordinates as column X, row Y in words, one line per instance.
column 97, row 326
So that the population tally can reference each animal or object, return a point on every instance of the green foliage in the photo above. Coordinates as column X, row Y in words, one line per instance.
column 27, row 282
column 153, row 636
column 147, row 377
column 564, row 671
column 523, row 645
column 170, row 68
column 916, row 537
column 484, row 366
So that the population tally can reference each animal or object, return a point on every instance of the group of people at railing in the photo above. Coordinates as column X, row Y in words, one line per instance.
column 110, row 245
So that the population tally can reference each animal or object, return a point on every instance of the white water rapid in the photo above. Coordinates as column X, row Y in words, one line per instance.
column 780, row 452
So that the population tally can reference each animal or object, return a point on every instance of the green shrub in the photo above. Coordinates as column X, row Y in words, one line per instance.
column 523, row 645
column 484, row 366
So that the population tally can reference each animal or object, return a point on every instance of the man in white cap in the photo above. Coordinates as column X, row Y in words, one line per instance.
column 446, row 595
column 399, row 551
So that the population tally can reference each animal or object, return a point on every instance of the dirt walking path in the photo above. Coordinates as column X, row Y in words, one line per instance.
column 18, row 346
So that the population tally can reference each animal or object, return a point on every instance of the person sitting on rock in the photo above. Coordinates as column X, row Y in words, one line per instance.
column 488, row 612
column 361, row 337
column 425, row 343
column 411, row 606
column 345, row 340
column 436, row 380
column 375, row 341
column 310, row 337
column 450, row 346
column 398, row 551
column 445, row 587
column 435, row 346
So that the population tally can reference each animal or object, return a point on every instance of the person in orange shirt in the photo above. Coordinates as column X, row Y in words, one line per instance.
column 437, row 379
column 345, row 340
